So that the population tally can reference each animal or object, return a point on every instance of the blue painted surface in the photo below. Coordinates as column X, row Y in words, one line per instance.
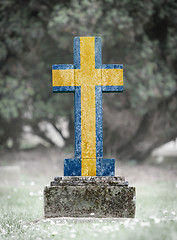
column 72, row 167
column 105, row 167
column 64, row 89
column 77, row 52
column 62, row 66
column 77, row 109
column 112, row 66
column 112, row 88
column 99, row 125
column 98, row 53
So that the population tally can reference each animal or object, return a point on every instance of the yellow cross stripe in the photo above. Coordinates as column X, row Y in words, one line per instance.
column 87, row 77
column 112, row 77
column 88, row 167
column 87, row 53
column 63, row 77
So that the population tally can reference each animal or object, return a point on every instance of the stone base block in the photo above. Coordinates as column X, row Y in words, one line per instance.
column 89, row 197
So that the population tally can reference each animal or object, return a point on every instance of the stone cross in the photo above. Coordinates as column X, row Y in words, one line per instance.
column 88, row 78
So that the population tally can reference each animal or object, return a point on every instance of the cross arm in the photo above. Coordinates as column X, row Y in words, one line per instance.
column 63, row 78
column 112, row 77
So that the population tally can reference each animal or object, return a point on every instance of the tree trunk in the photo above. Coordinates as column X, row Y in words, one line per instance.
column 156, row 127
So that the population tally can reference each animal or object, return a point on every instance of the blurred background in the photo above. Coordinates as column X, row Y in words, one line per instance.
column 37, row 126
column 141, row 35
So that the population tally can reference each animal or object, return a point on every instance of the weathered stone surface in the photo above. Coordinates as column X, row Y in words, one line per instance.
column 92, row 197
column 85, row 181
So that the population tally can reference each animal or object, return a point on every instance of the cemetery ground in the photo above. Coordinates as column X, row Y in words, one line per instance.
column 24, row 174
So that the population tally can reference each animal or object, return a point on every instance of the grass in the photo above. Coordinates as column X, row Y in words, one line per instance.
column 21, row 202
column 21, row 216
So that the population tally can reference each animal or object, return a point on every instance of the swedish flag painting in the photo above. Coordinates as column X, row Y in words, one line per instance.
column 88, row 78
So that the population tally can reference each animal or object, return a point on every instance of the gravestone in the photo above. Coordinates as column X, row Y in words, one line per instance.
column 88, row 187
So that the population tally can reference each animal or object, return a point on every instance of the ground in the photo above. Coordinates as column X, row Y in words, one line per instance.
column 23, row 176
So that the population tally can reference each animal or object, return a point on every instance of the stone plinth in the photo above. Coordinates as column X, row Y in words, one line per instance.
column 89, row 197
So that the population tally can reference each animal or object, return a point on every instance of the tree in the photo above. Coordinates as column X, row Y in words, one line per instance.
column 141, row 35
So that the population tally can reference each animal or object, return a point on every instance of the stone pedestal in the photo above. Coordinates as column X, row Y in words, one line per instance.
column 89, row 197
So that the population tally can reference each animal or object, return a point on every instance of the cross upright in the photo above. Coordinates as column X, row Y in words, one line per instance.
column 88, row 78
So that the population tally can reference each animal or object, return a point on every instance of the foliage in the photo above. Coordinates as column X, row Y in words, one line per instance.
column 36, row 34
